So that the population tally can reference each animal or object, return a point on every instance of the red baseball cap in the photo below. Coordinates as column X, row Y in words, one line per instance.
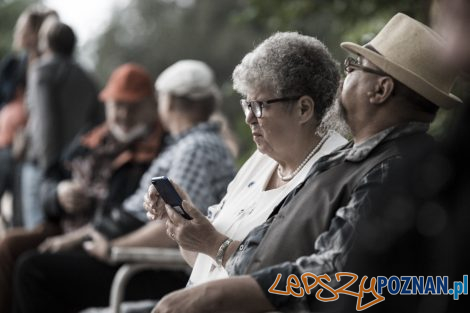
column 129, row 82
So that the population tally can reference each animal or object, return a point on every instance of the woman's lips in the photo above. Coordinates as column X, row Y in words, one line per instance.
column 255, row 132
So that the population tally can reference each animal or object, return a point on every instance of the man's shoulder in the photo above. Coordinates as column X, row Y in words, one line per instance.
column 50, row 63
column 43, row 69
column 408, row 147
column 53, row 65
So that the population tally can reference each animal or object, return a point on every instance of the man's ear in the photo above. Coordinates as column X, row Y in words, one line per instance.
column 306, row 107
column 383, row 89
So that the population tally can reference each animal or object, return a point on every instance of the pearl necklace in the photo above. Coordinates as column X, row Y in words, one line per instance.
column 305, row 161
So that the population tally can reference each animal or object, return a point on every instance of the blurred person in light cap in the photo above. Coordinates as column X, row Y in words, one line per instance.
column 194, row 156
column 193, row 82
column 390, row 94
column 190, row 85
column 100, row 168
column 188, row 78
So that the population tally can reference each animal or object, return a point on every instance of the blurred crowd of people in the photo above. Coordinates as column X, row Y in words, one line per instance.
column 41, row 71
column 79, row 162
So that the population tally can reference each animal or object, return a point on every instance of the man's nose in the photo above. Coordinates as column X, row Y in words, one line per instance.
column 122, row 113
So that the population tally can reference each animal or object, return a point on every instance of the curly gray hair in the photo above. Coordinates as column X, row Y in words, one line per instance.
column 290, row 64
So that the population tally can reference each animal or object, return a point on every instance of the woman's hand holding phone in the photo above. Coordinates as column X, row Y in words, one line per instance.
column 155, row 205
column 186, row 225
column 197, row 234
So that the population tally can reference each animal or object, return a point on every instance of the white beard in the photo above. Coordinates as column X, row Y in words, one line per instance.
column 127, row 136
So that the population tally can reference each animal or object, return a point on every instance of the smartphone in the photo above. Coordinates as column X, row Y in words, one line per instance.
column 169, row 195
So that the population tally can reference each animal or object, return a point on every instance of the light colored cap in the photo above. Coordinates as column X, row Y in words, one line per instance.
column 412, row 53
column 188, row 78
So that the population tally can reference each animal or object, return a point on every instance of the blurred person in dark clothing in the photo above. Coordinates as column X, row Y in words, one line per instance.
column 99, row 169
column 13, row 117
column 13, row 72
column 62, row 100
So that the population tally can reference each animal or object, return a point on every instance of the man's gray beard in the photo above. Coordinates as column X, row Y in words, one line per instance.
column 335, row 120
column 127, row 136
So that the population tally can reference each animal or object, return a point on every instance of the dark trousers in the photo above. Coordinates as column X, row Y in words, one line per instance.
column 16, row 242
column 72, row 281
column 6, row 169
column 6, row 173
column 10, row 180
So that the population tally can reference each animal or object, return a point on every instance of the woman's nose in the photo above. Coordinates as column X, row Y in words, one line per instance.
column 250, row 118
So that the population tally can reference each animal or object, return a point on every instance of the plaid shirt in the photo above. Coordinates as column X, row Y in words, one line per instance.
column 197, row 160
column 332, row 245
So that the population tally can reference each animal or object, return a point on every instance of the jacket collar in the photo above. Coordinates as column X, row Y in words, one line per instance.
column 359, row 152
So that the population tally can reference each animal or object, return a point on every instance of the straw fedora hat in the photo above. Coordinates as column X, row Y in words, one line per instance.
column 411, row 52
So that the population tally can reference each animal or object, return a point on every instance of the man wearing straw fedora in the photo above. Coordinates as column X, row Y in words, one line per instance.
column 432, row 235
column 391, row 93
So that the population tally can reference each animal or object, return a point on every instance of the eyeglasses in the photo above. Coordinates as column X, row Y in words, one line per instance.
column 351, row 64
column 256, row 107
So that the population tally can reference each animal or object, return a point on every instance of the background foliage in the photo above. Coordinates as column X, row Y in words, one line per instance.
column 157, row 33
column 9, row 12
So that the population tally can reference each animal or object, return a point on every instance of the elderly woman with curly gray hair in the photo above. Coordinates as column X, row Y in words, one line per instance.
column 288, row 83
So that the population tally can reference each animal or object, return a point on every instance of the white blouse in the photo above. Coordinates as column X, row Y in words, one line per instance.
column 248, row 204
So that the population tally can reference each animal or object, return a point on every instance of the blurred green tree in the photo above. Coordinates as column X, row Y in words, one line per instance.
column 9, row 11
column 158, row 33
column 336, row 21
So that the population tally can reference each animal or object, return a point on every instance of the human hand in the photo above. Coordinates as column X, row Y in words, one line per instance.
column 98, row 246
column 189, row 300
column 59, row 243
column 235, row 294
column 155, row 205
column 72, row 196
column 197, row 234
